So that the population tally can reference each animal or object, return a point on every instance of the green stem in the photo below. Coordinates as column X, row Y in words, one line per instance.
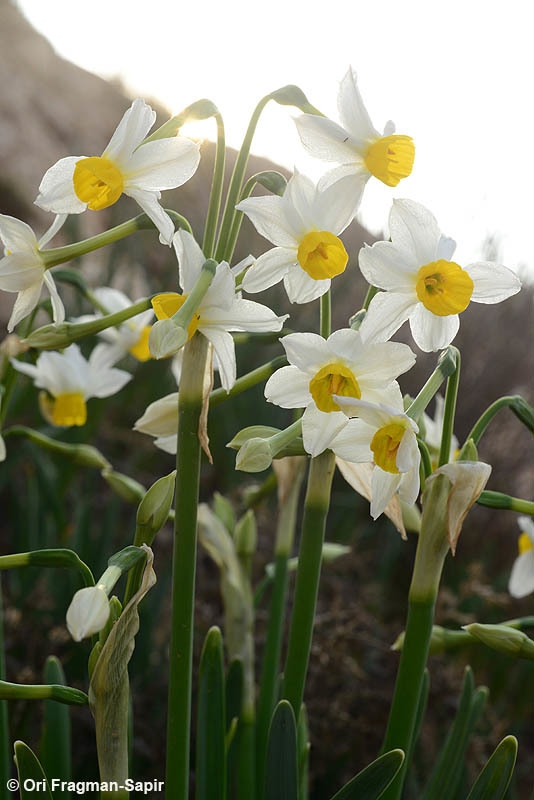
column 248, row 381
column 63, row 694
column 216, row 190
column 514, row 402
column 326, row 315
column 449, row 412
column 501, row 500
column 184, row 568
column 185, row 314
column 273, row 643
column 58, row 255
column 447, row 364
column 426, row 461
column 308, row 572
column 238, row 216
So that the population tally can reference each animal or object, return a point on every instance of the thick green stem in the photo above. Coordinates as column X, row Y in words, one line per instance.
column 216, row 190
column 432, row 548
column 58, row 255
column 308, row 572
column 326, row 315
column 449, row 412
column 184, row 568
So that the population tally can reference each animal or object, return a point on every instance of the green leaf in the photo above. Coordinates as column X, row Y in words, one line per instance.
column 55, row 737
column 5, row 761
column 303, row 749
column 224, row 511
column 281, row 774
column 211, row 721
column 493, row 781
column 29, row 769
column 374, row 779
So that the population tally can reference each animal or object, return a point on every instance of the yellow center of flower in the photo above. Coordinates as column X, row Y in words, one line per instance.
column 444, row 287
column 97, row 182
column 322, row 255
column 166, row 305
column 390, row 158
column 524, row 544
column 69, row 409
column 385, row 444
column 140, row 349
column 333, row 379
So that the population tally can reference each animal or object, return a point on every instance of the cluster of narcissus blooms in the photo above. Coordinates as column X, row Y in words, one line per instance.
column 346, row 384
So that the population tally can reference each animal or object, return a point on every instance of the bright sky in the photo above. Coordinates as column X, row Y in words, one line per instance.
column 455, row 75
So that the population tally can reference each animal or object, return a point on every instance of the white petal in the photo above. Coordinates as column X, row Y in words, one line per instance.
column 162, row 164
column 390, row 396
column 373, row 363
column 269, row 269
column 160, row 417
column 493, row 282
column 16, row 235
column 307, row 351
column 353, row 442
column 169, row 444
column 357, row 170
column 53, row 229
column 326, row 140
column 352, row 111
column 56, row 190
column 244, row 264
column 268, row 215
column 301, row 288
column 383, row 485
column 371, row 413
column 409, row 485
column 288, row 387
column 298, row 200
column 220, row 296
column 408, row 452
column 387, row 267
column 112, row 299
column 243, row 315
column 224, row 348
column 24, row 305
column 130, row 132
column 386, row 313
column 149, row 203
column 526, row 525
column 58, row 309
column 105, row 381
column 415, row 230
column 25, row 368
column 20, row 271
column 446, row 248
column 336, row 206
column 522, row 576
column 190, row 259
column 319, row 429
column 431, row 332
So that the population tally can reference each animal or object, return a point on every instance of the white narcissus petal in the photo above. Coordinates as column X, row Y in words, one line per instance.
column 383, row 486
column 58, row 309
column 356, row 171
column 53, row 229
column 446, row 248
column 224, row 348
column 375, row 362
column 320, row 428
column 190, row 259
column 269, row 269
column 108, row 382
column 386, row 313
column 88, row 612
column 414, row 229
column 373, row 415
column 169, row 444
column 390, row 396
column 298, row 199
column 160, row 417
column 221, row 293
column 408, row 452
column 352, row 111
column 20, row 271
column 130, row 132
column 526, row 525
column 335, row 207
column 387, row 267
column 56, row 190
column 27, row 369
column 243, row 315
column 268, row 216
column 307, row 351
column 430, row 332
column 359, row 476
column 288, row 387
column 409, row 485
column 150, row 205
column 16, row 235
column 492, row 282
column 522, row 577
column 112, row 299
column 353, row 442
column 301, row 288
column 24, row 304
column 162, row 164
column 325, row 139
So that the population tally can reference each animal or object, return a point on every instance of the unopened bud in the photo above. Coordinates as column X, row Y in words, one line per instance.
column 154, row 508
column 254, row 456
column 502, row 638
column 166, row 338
column 50, row 337
column 468, row 452
column 88, row 612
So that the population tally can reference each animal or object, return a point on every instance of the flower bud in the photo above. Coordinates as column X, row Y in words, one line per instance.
column 503, row 639
column 50, row 337
column 254, row 456
column 166, row 338
column 88, row 612
column 154, row 508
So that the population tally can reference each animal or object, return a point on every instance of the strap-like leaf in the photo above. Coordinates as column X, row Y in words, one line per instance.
column 374, row 779
column 31, row 773
column 493, row 781
column 281, row 781
column 55, row 738
column 211, row 727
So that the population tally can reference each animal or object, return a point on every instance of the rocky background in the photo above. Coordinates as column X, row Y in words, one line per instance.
column 50, row 108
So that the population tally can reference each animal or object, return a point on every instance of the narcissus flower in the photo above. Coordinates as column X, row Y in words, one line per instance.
column 127, row 166
column 304, row 225
column 422, row 284
column 522, row 577
column 88, row 612
column 22, row 269
column 220, row 310
column 320, row 369
column 161, row 421
column 71, row 380
column 131, row 336
column 356, row 144
column 386, row 436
